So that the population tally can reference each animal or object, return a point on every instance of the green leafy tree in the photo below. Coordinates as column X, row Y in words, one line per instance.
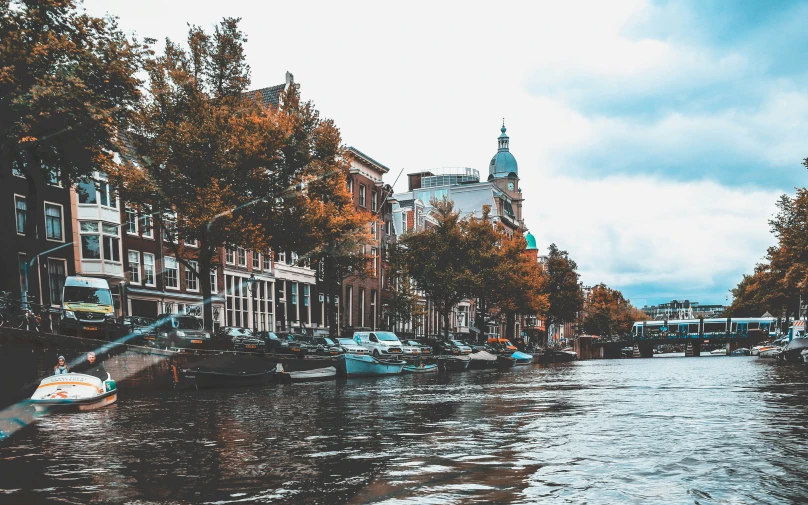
column 564, row 295
column 67, row 86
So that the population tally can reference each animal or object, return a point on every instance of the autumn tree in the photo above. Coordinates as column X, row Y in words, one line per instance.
column 564, row 295
column 67, row 85
column 607, row 313
column 222, row 170
column 436, row 260
column 404, row 306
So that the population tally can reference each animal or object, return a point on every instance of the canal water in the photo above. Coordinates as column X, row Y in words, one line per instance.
column 706, row 430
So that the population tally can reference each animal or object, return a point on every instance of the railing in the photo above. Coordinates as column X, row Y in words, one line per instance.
column 22, row 314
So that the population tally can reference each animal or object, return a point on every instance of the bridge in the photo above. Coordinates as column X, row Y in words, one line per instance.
column 733, row 333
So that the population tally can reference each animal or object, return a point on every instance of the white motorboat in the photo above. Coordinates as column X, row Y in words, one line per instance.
column 74, row 391
column 721, row 351
column 769, row 351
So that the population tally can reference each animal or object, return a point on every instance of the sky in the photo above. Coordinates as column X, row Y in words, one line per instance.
column 653, row 138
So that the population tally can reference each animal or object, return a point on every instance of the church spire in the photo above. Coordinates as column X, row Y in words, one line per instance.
column 503, row 138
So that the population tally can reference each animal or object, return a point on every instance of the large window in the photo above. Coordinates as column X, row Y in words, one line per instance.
column 134, row 267
column 146, row 222
column 213, row 278
column 56, row 280
column 294, row 293
column 170, row 227
column 361, row 306
column 256, row 260
column 148, row 269
column 268, row 261
column 305, row 295
column 21, row 211
column 373, row 308
column 86, row 191
column 111, row 242
column 191, row 280
column 230, row 256
column 349, row 311
column 171, row 272
column 373, row 197
column 373, row 259
column 362, row 202
column 90, row 240
column 242, row 257
column 53, row 222
column 350, row 186
column 106, row 195
column 131, row 221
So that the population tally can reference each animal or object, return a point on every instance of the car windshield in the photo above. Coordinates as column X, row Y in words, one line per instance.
column 85, row 294
column 187, row 323
column 239, row 332
column 328, row 341
column 386, row 336
column 272, row 336
column 412, row 342
column 142, row 321
column 346, row 341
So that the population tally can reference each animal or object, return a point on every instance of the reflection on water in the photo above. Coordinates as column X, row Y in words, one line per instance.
column 691, row 430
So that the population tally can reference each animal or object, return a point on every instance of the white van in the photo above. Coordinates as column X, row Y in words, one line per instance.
column 379, row 343
column 87, row 307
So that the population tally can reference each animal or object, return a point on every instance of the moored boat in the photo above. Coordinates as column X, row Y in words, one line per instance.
column 792, row 352
column 422, row 368
column 74, row 391
column 769, row 351
column 719, row 352
column 482, row 359
column 318, row 374
column 350, row 365
column 453, row 363
column 556, row 356
column 521, row 358
column 505, row 361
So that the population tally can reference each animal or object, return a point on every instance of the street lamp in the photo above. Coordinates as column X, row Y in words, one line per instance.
column 253, row 283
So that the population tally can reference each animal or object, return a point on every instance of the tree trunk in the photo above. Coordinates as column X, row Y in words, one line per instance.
column 445, row 314
column 510, row 324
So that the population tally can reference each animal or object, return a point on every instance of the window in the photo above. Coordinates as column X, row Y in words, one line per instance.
column 373, row 259
column 281, row 257
column 148, row 269
column 361, row 306
column 106, row 195
column 146, row 222
column 374, row 229
column 294, row 257
column 294, row 293
column 192, row 243
column 86, row 191
column 213, row 278
column 56, row 280
column 134, row 267
column 131, row 221
column 171, row 272
column 230, row 256
column 18, row 168
column 373, row 308
column 170, row 227
column 373, row 197
column 242, row 257
column 23, row 266
column 90, row 240
column 191, row 281
column 305, row 295
column 362, row 202
column 53, row 222
column 349, row 311
column 21, row 210
column 111, row 242
column 256, row 260
column 350, row 186
column 267, row 262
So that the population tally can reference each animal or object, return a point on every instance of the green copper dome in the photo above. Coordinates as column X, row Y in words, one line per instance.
column 531, row 241
column 503, row 164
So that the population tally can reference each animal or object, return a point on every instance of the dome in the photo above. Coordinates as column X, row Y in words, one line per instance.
column 531, row 241
column 503, row 164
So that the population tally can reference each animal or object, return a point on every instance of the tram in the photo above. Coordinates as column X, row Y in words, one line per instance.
column 735, row 327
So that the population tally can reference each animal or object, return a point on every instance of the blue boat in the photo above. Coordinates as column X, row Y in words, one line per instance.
column 420, row 368
column 520, row 358
column 353, row 365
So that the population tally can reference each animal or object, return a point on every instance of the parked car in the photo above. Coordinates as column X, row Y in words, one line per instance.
column 452, row 347
column 296, row 344
column 410, row 351
column 234, row 338
column 177, row 330
column 426, row 350
column 139, row 330
column 503, row 344
column 475, row 347
column 380, row 343
column 351, row 347
column 326, row 346
column 273, row 342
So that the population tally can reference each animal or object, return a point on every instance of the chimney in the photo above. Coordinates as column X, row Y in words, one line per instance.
column 289, row 78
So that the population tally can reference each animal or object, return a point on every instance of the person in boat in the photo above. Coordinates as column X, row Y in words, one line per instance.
column 61, row 367
column 93, row 367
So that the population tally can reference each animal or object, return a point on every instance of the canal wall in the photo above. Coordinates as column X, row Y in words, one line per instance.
column 28, row 357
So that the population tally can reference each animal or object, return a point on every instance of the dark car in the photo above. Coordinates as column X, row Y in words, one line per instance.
column 137, row 330
column 296, row 344
column 177, row 330
column 234, row 338
column 326, row 346
column 451, row 347
column 425, row 349
column 475, row 347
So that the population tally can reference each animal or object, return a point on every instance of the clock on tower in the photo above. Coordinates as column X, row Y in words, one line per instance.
column 510, row 186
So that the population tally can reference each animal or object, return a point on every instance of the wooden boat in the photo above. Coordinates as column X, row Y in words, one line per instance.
column 453, row 363
column 354, row 365
column 555, row 356
column 521, row 358
column 505, row 362
column 422, row 368
column 318, row 374
column 74, row 391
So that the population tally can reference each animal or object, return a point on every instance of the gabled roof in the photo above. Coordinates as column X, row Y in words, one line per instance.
column 367, row 159
column 270, row 95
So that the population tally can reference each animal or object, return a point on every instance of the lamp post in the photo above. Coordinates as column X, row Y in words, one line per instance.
column 253, row 283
